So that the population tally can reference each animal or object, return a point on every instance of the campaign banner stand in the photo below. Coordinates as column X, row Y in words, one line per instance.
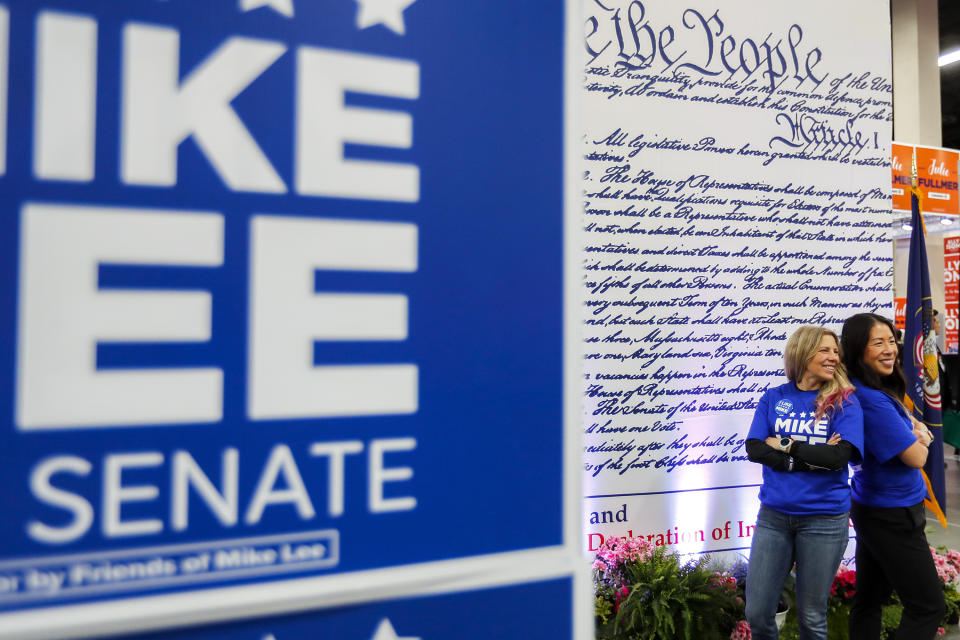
column 901, row 166
column 951, row 292
column 900, row 313
column 504, row 612
column 936, row 177
column 289, row 310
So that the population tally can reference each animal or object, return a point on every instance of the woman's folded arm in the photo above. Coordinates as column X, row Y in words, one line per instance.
column 832, row 457
column 762, row 453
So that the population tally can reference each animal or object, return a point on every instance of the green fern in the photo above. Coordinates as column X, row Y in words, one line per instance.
column 670, row 600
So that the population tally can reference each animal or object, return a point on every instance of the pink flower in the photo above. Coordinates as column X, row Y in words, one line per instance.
column 941, row 631
column 947, row 565
column 618, row 550
column 741, row 632
column 844, row 583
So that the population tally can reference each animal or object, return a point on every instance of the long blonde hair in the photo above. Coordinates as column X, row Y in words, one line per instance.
column 802, row 346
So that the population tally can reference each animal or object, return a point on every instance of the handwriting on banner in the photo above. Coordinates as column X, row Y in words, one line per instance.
column 819, row 125
column 641, row 42
column 804, row 139
column 694, row 284
column 734, row 188
column 817, row 115
column 657, row 450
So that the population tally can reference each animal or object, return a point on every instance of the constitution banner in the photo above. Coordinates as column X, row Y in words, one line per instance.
column 736, row 186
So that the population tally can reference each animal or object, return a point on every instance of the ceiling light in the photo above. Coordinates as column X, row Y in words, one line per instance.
column 946, row 221
column 948, row 58
column 906, row 226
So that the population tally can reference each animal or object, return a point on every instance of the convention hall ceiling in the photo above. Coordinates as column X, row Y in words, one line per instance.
column 950, row 75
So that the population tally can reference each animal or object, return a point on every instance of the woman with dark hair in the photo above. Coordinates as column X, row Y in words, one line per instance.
column 803, row 432
column 888, row 491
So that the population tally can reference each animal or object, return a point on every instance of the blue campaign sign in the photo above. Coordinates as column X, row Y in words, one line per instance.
column 540, row 610
column 282, row 289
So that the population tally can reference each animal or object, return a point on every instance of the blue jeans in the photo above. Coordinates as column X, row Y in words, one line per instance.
column 816, row 544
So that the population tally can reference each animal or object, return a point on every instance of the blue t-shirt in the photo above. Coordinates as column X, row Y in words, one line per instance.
column 883, row 480
column 786, row 411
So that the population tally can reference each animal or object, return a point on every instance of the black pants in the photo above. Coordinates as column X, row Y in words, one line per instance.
column 892, row 553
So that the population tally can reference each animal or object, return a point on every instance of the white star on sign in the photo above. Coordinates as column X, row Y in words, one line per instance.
column 389, row 13
column 284, row 7
column 385, row 631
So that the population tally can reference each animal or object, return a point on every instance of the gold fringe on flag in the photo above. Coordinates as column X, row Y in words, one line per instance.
column 931, row 501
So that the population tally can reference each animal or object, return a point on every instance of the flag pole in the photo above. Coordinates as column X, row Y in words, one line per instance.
column 915, row 188
column 930, row 501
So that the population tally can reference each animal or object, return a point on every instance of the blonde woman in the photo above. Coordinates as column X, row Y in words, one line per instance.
column 804, row 433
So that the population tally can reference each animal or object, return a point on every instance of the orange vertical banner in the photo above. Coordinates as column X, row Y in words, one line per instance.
column 900, row 161
column 900, row 313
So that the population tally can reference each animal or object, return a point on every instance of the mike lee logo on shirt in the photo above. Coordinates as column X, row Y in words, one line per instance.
column 800, row 425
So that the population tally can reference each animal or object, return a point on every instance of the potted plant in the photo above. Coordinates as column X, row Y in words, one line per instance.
column 739, row 571
column 787, row 598
column 645, row 592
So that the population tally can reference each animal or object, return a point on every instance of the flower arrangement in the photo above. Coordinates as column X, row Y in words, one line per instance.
column 645, row 592
column 741, row 631
column 844, row 585
column 947, row 562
